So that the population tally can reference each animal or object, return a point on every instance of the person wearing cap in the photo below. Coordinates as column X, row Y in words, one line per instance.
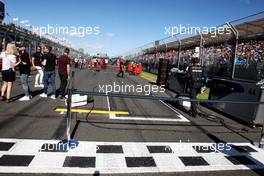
column 24, row 69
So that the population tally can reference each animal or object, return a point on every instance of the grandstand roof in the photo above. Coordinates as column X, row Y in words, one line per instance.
column 245, row 30
column 251, row 28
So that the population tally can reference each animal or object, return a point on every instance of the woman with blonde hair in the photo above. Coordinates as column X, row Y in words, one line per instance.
column 8, row 71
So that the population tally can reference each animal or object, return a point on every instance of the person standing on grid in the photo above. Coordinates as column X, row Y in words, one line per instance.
column 64, row 67
column 36, row 62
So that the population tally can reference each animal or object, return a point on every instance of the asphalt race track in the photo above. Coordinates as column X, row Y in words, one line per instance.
column 143, row 137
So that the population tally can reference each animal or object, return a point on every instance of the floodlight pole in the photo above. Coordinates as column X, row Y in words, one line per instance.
column 179, row 54
column 235, row 31
column 201, row 54
column 166, row 44
column 4, row 42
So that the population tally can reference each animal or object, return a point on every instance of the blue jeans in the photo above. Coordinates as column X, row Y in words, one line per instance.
column 49, row 75
column 24, row 81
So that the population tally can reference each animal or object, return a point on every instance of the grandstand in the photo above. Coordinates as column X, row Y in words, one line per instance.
column 21, row 36
column 230, row 60
column 216, row 50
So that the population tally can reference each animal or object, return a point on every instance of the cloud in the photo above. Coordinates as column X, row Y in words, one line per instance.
column 110, row 34
column 95, row 46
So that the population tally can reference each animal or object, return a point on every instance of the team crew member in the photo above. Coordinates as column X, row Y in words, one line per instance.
column 76, row 61
column 260, row 71
column 81, row 63
column 91, row 64
column 101, row 62
column 8, row 71
column 36, row 62
column 24, row 69
column 49, row 62
column 195, row 74
column 121, row 69
column 64, row 71
column 130, row 68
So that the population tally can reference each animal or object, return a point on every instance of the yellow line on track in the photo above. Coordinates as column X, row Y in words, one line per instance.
column 92, row 111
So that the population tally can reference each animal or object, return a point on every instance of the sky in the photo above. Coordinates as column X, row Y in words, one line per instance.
column 118, row 26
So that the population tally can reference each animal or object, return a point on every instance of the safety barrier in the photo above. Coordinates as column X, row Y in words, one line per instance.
column 71, row 91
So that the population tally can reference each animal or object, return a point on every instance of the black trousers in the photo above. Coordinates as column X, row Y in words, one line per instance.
column 194, row 104
column 121, row 72
column 63, row 84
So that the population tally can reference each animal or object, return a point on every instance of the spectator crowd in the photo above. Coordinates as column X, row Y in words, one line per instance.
column 217, row 59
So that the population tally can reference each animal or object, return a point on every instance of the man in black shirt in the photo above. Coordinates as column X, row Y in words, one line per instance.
column 64, row 62
column 195, row 74
column 49, row 63
column 36, row 62
column 24, row 69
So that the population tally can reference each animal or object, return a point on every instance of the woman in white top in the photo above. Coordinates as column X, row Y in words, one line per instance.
column 8, row 71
